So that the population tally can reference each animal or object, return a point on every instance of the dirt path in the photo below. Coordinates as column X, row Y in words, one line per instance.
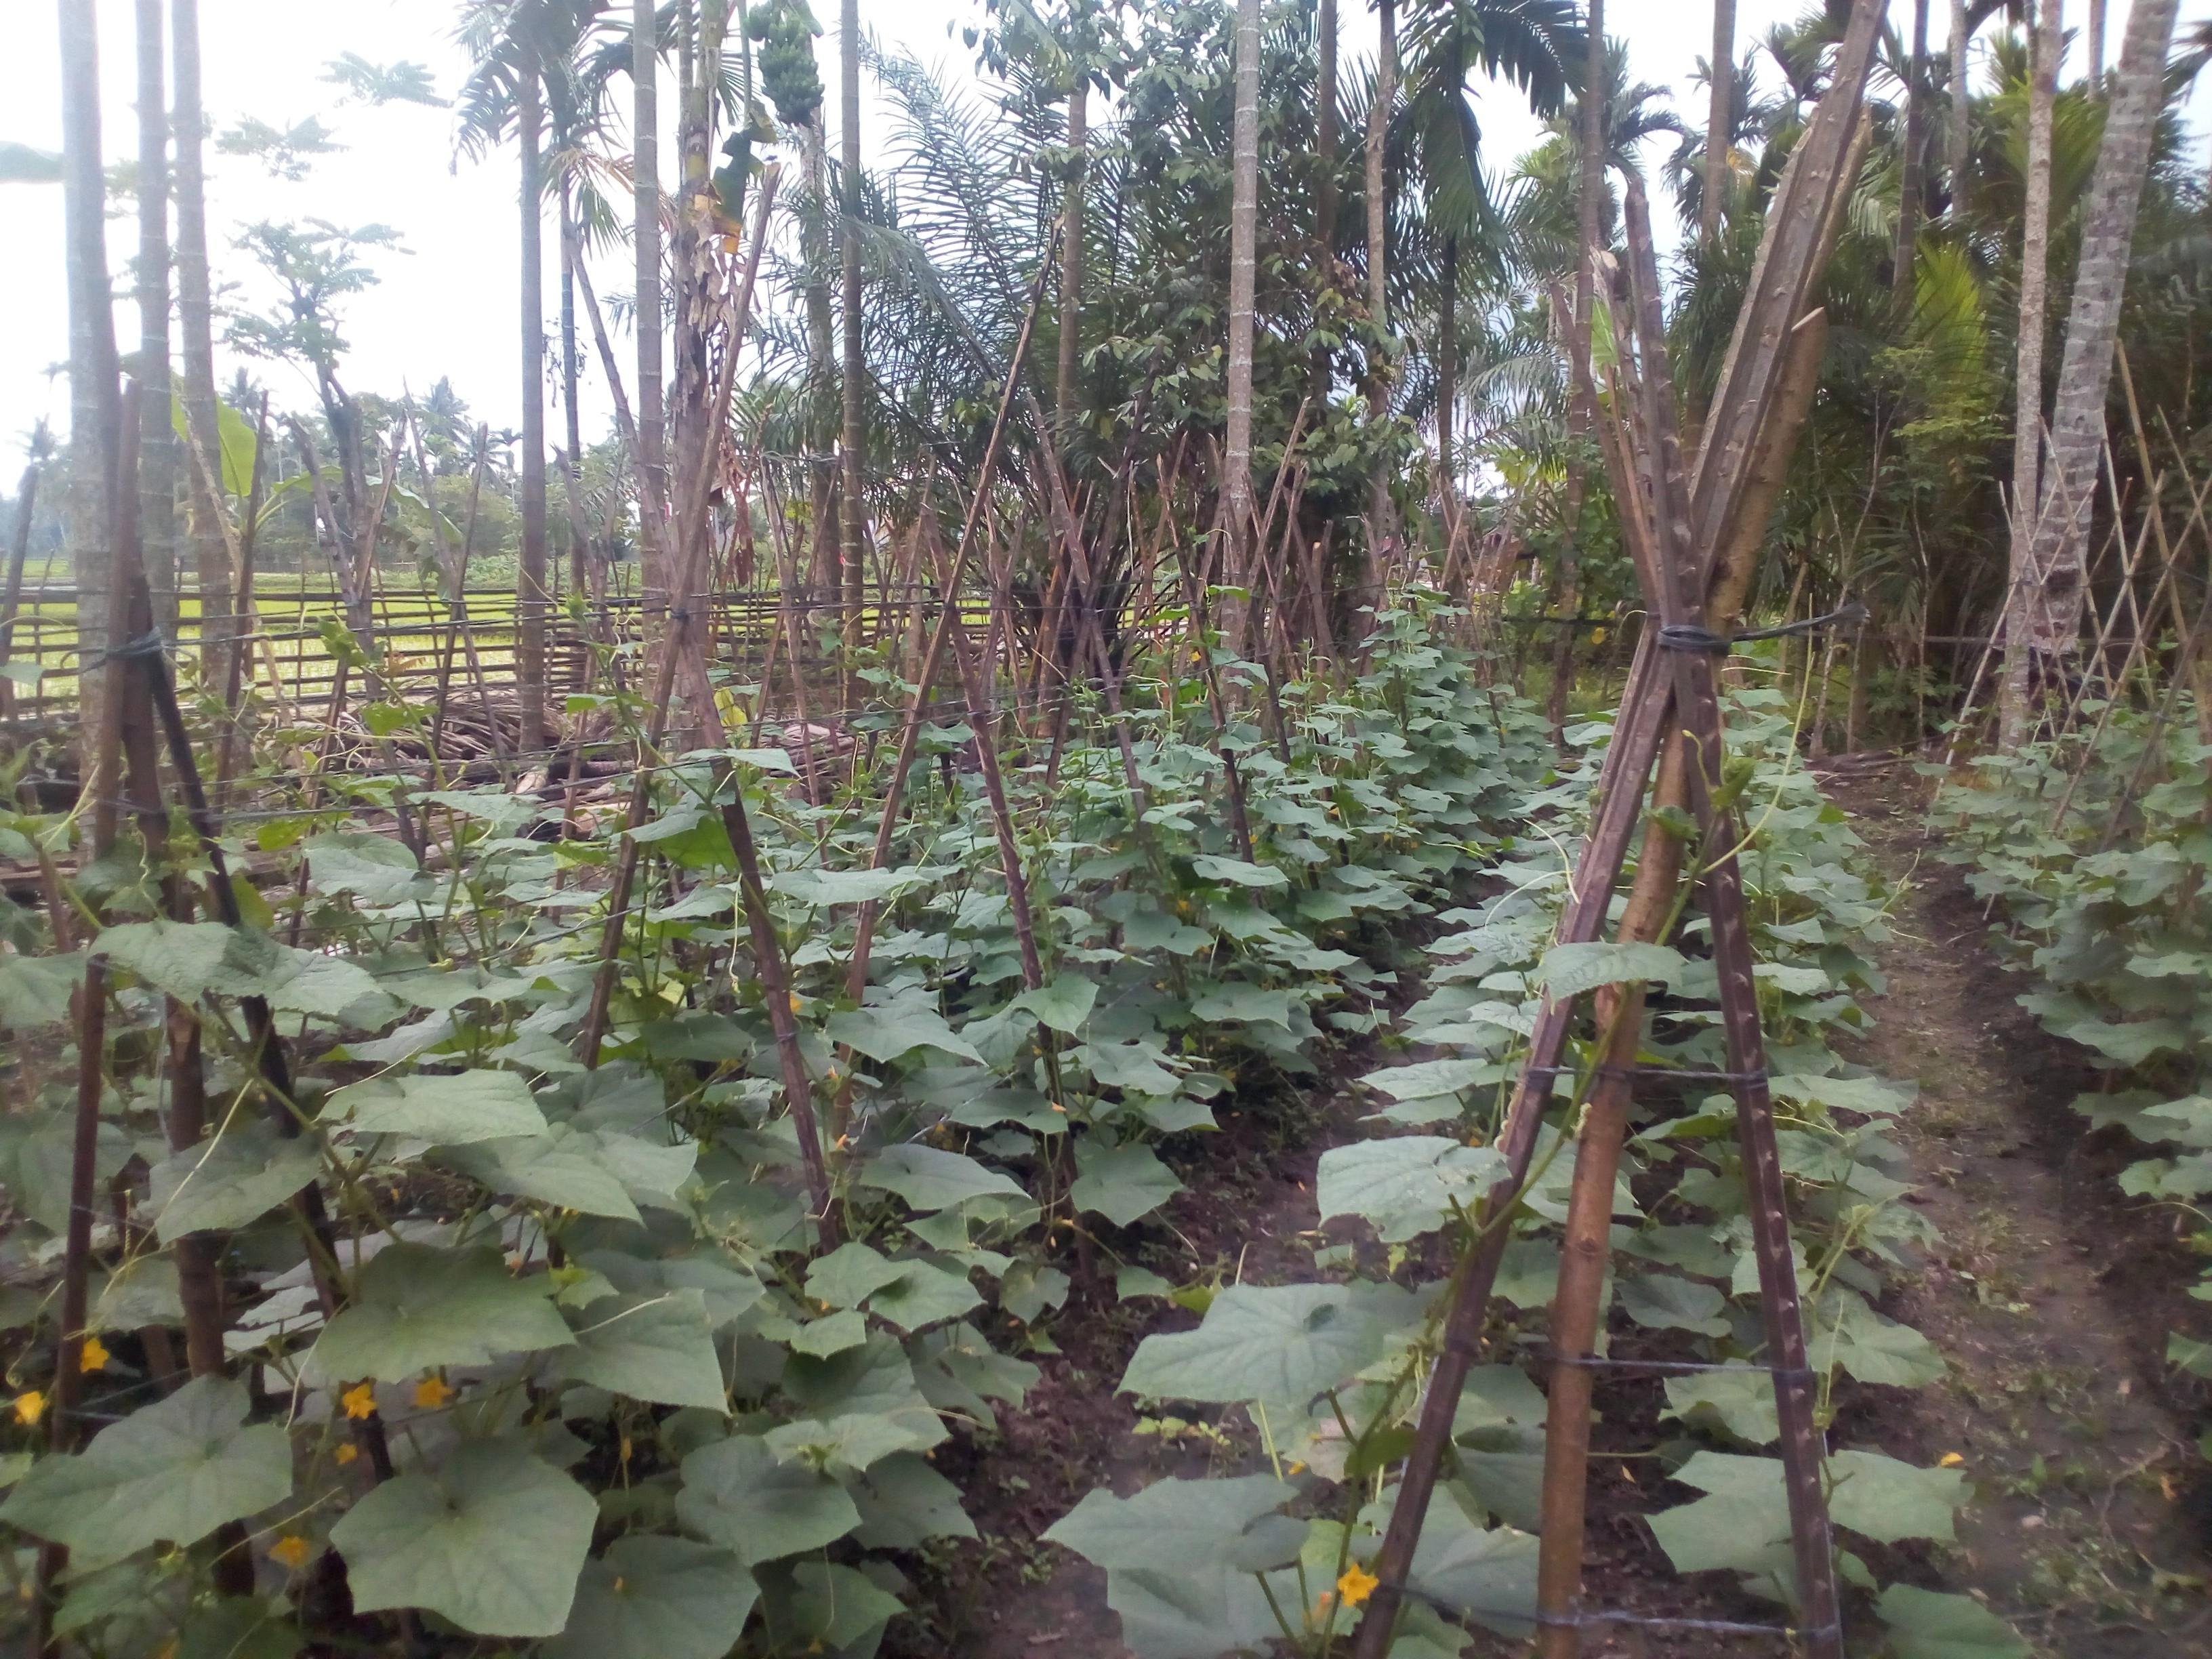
column 2049, row 1294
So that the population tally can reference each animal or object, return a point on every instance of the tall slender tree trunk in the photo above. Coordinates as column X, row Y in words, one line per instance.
column 2028, row 392
column 1913, row 141
column 853, row 513
column 1243, row 272
column 95, row 391
column 1448, row 377
column 691, row 445
column 157, row 443
column 572, row 375
column 1719, row 120
column 652, row 434
column 1378, row 237
column 1324, row 198
column 1590, row 209
column 2096, row 44
column 1958, row 139
column 219, row 605
column 2048, row 637
column 530, row 589
column 1071, row 255
column 687, row 277
column 820, row 365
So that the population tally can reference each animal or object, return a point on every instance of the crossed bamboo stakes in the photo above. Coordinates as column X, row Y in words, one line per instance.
column 1680, row 526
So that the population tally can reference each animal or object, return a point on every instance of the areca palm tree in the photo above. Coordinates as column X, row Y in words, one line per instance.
column 2027, row 440
column 157, row 448
column 1536, row 45
column 512, row 43
column 1378, row 289
column 196, row 322
column 855, row 356
column 1717, row 130
column 95, row 390
column 2044, row 630
column 1243, row 266
column 645, row 180
column 1688, row 175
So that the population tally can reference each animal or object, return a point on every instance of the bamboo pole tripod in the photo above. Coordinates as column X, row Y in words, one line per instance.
column 1693, row 536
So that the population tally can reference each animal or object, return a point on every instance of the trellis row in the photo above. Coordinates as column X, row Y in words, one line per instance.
column 1677, row 524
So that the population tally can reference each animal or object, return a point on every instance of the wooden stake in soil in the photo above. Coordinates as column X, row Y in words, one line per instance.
column 856, row 978
column 690, row 544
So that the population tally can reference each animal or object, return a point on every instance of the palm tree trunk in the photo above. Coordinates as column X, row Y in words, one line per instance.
column 853, row 512
column 821, row 370
column 651, row 448
column 1325, row 206
column 1962, row 38
column 1447, row 378
column 1378, row 292
column 2096, row 43
column 686, row 274
column 1243, row 272
column 1589, row 205
column 1071, row 257
column 571, row 384
column 1718, row 121
column 530, row 591
column 2027, row 394
column 157, row 444
column 95, row 394
column 1913, row 140
column 196, row 319
column 2052, row 608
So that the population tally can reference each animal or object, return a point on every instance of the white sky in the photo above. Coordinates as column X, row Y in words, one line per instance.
column 446, row 306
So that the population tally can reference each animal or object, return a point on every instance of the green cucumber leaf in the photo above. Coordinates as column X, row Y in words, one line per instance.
column 170, row 1472
column 416, row 1307
column 739, row 1494
column 448, row 1110
column 1404, row 1186
column 1926, row 1625
column 1569, row 970
column 229, row 1182
column 658, row 1598
column 1278, row 1343
column 657, row 1347
column 492, row 1539
column 930, row 1178
column 1122, row 1183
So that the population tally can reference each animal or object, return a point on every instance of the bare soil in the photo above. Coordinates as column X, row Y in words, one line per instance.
column 2050, row 1295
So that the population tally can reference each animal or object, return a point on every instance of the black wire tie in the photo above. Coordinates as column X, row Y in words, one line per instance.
column 1688, row 637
